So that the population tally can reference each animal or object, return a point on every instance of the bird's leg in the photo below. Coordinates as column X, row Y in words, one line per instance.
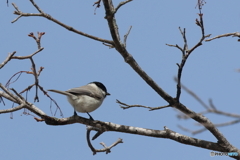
column 90, row 117
column 75, row 113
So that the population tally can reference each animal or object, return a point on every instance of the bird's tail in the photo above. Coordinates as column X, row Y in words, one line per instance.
column 60, row 92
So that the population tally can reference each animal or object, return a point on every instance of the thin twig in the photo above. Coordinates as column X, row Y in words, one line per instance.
column 29, row 56
column 204, row 129
column 21, row 106
column 121, row 4
column 105, row 149
column 52, row 100
column 223, row 113
column 185, row 47
column 137, row 105
column 20, row 96
column 16, row 19
column 15, row 6
column 170, row 45
column 36, row 79
column 9, row 57
column 235, row 34
column 186, row 52
column 36, row 6
column 194, row 95
column 125, row 37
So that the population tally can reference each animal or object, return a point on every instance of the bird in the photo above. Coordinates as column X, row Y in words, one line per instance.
column 86, row 98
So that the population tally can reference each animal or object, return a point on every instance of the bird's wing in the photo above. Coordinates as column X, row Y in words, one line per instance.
column 84, row 91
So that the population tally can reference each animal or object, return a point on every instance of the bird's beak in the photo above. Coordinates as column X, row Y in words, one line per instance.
column 108, row 94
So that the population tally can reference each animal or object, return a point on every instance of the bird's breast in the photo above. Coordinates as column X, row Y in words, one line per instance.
column 84, row 103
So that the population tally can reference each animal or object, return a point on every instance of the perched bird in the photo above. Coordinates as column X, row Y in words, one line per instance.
column 86, row 98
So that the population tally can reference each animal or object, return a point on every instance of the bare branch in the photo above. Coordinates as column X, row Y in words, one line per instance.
column 108, row 126
column 121, row 4
column 58, row 107
column 211, row 104
column 185, row 47
column 226, row 123
column 12, row 109
column 27, row 57
column 105, row 149
column 42, row 14
column 16, row 19
column 97, row 3
column 109, row 8
column 16, row 99
column 7, row 96
column 109, row 45
column 17, row 93
column 99, row 132
column 235, row 34
column 36, row 6
column 125, row 37
column 37, row 39
column 200, row 4
column 193, row 95
column 127, row 56
column 208, row 110
column 186, row 52
column 9, row 57
column 204, row 129
column 170, row 45
column 15, row 6
column 137, row 105
column 224, row 113
column 192, row 132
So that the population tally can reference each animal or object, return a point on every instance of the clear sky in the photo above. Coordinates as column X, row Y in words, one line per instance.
column 71, row 60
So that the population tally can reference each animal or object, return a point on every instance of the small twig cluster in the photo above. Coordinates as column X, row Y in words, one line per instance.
column 99, row 132
column 36, row 73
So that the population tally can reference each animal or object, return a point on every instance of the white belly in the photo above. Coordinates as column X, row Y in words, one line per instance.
column 84, row 104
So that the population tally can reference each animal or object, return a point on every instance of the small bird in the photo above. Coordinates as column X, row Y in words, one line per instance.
column 86, row 98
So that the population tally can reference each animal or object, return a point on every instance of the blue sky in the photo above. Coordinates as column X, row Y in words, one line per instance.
column 71, row 60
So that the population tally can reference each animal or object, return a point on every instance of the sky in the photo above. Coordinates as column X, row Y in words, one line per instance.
column 71, row 60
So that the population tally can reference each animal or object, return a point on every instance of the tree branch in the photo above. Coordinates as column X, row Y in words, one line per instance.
column 42, row 14
column 172, row 102
column 235, row 34
column 121, row 4
column 105, row 149
column 137, row 105
column 9, row 57
column 108, row 126
column 127, row 56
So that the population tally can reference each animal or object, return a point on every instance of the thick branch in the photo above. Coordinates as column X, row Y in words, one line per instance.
column 7, row 96
column 131, row 61
column 127, row 56
column 108, row 126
